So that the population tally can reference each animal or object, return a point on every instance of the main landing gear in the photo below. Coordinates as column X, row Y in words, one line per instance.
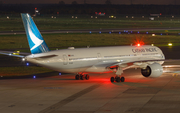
column 117, row 79
column 82, row 76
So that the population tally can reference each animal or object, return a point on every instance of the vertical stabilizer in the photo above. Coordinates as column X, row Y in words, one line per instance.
column 35, row 39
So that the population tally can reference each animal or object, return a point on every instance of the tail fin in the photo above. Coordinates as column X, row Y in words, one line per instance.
column 35, row 39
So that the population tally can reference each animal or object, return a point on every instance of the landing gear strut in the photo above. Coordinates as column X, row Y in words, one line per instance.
column 82, row 76
column 117, row 79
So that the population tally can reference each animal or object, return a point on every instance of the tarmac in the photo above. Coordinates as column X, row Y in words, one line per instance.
column 64, row 94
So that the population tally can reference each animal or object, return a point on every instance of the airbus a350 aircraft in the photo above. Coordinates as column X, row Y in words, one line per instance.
column 91, row 60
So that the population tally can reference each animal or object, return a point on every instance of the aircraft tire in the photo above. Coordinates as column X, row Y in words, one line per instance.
column 82, row 77
column 87, row 77
column 112, row 79
column 77, row 77
column 122, row 79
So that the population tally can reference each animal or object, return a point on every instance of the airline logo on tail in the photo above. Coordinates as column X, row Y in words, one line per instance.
column 34, row 39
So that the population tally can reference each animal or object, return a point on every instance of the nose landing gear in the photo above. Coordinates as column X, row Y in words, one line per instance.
column 117, row 79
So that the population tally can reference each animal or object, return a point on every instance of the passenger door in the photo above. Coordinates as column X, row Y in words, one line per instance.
column 65, row 59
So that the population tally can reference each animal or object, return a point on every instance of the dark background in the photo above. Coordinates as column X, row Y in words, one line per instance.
column 90, row 9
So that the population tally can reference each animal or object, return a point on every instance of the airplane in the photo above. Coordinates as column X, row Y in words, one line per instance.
column 83, row 61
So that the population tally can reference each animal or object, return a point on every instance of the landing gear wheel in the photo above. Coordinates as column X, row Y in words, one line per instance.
column 77, row 77
column 82, row 77
column 118, row 79
column 87, row 77
column 122, row 79
column 112, row 79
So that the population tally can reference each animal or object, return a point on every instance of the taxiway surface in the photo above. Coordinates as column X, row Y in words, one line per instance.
column 63, row 94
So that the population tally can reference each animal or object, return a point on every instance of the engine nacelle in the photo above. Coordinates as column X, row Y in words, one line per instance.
column 152, row 70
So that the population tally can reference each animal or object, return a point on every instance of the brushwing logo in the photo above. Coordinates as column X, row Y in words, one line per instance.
column 34, row 39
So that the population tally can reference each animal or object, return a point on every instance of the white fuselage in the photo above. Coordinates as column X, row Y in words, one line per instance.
column 95, row 59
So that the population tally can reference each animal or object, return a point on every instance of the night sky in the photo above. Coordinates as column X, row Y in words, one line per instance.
column 158, row 2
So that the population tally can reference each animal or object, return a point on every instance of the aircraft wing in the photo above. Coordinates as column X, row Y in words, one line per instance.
column 22, row 54
column 169, row 68
column 167, row 63
column 132, row 64
column 15, row 54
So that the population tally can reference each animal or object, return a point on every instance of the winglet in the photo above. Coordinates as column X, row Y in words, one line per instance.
column 35, row 39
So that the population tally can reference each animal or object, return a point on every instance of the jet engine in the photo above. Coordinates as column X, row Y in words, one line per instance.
column 152, row 70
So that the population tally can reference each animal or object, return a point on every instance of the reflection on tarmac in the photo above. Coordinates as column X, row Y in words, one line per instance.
column 63, row 94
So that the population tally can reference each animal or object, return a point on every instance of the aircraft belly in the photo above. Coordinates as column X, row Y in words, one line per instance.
column 96, row 69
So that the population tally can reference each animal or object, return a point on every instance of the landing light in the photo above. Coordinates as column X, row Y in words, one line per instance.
column 23, row 59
